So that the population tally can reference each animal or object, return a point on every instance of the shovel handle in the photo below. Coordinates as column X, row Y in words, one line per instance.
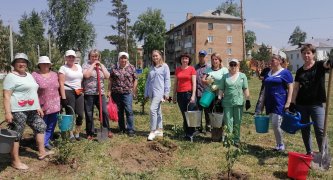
column 328, row 100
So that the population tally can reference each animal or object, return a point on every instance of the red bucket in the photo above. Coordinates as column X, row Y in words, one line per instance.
column 298, row 165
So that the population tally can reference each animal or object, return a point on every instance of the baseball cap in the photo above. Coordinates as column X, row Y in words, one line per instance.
column 20, row 56
column 70, row 53
column 234, row 60
column 202, row 52
column 44, row 60
column 123, row 54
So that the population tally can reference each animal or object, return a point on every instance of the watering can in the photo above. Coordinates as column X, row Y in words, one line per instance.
column 291, row 122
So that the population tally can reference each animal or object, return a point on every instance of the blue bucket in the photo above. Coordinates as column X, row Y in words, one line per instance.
column 262, row 124
column 207, row 98
column 66, row 122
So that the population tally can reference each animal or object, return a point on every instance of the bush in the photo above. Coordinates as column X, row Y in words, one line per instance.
column 141, row 89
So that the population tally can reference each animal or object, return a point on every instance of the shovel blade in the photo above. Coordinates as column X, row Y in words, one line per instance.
column 322, row 160
column 102, row 134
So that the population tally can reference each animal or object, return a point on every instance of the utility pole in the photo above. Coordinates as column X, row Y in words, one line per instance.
column 126, row 36
column 38, row 52
column 243, row 35
column 49, row 38
column 11, row 42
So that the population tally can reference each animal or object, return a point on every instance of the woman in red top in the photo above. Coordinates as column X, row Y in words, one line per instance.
column 184, row 90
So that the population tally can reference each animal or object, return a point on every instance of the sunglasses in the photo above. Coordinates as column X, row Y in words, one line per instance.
column 232, row 64
column 24, row 102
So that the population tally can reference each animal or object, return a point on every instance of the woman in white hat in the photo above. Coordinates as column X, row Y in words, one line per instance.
column 70, row 81
column 22, row 107
column 235, row 90
column 48, row 95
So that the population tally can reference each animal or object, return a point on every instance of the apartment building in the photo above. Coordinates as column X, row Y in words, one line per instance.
column 212, row 31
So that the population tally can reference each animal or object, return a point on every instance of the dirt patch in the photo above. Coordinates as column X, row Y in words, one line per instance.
column 233, row 176
column 148, row 156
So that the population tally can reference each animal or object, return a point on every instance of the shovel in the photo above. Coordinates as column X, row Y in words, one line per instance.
column 102, row 132
column 322, row 160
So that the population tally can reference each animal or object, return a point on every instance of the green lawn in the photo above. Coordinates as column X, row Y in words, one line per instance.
column 168, row 158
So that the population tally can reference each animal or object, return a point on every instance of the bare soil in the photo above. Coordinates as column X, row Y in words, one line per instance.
column 149, row 156
column 233, row 176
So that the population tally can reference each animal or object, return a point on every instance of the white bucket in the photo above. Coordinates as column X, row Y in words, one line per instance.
column 193, row 118
column 216, row 119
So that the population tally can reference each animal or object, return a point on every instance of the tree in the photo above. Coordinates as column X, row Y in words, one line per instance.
column 69, row 24
column 231, row 8
column 264, row 53
column 31, row 37
column 123, row 29
column 108, row 57
column 4, row 48
column 250, row 39
column 150, row 27
column 297, row 36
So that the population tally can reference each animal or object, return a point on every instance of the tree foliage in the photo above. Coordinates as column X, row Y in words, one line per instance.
column 141, row 89
column 297, row 36
column 250, row 39
column 108, row 57
column 122, row 28
column 150, row 27
column 264, row 53
column 4, row 48
column 231, row 8
column 31, row 37
column 69, row 24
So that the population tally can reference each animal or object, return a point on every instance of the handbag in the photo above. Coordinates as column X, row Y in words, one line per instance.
column 112, row 110
column 78, row 92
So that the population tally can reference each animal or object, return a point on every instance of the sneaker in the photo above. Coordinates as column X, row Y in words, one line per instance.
column 151, row 136
column 90, row 138
column 280, row 147
column 158, row 133
column 78, row 138
column 110, row 135
column 131, row 133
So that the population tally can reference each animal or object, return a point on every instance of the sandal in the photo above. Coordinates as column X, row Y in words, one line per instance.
column 45, row 155
column 20, row 167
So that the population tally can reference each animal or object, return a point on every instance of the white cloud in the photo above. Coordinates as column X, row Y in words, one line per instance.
column 257, row 25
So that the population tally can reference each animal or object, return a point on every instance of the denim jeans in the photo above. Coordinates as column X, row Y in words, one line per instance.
column 51, row 122
column 156, row 119
column 89, row 102
column 124, row 103
column 317, row 114
column 183, row 100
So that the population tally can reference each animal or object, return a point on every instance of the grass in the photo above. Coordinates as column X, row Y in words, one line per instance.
column 202, row 159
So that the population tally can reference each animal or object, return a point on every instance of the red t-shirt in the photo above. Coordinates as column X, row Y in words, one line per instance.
column 184, row 78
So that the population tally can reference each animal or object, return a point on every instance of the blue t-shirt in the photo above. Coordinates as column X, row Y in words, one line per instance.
column 276, row 86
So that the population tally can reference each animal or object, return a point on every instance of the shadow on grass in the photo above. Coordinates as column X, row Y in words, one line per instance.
column 176, row 132
column 261, row 153
column 281, row 174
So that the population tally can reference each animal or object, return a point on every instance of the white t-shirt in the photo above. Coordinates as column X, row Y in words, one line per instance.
column 72, row 78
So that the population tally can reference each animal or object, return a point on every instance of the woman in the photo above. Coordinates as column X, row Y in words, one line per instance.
column 216, row 72
column 157, row 89
column 184, row 90
column 91, row 93
column 70, row 79
column 22, row 107
column 123, row 85
column 48, row 95
column 232, row 87
column 278, row 85
column 309, row 95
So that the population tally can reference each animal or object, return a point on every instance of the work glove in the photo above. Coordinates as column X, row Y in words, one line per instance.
column 64, row 103
column 292, row 108
column 247, row 104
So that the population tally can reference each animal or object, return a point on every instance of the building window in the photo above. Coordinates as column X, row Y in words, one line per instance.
column 229, row 51
column 210, row 50
column 229, row 39
column 210, row 39
column 291, row 56
column 210, row 26
column 297, row 55
column 229, row 27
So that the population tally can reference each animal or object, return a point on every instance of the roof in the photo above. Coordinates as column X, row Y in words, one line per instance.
column 208, row 15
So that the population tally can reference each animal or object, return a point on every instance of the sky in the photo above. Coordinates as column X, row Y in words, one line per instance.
column 273, row 21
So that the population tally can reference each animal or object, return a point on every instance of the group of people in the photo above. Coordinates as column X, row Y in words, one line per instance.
column 36, row 99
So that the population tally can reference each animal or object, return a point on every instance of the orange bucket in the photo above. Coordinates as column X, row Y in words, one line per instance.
column 298, row 165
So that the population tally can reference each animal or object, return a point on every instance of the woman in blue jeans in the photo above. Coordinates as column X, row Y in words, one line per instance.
column 122, row 87
column 309, row 95
column 157, row 89
column 184, row 90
